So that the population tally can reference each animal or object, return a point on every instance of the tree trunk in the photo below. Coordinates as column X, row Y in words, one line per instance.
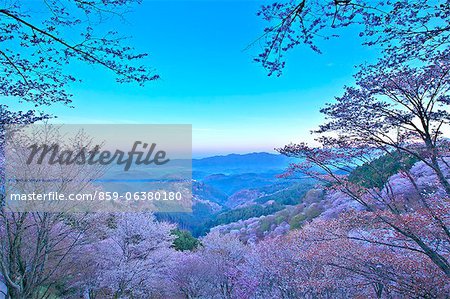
column 442, row 179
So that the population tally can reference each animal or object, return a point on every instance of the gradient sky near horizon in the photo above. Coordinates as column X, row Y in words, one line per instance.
column 209, row 81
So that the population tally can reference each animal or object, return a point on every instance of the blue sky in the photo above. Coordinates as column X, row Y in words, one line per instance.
column 207, row 80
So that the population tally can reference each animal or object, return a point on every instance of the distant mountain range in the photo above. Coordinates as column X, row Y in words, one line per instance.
column 238, row 186
column 240, row 163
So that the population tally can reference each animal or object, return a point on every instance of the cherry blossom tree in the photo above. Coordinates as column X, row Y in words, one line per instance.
column 211, row 271
column 223, row 253
column 398, row 110
column 192, row 276
column 134, row 257
column 40, row 250
column 338, row 258
column 42, row 39
column 405, row 30
column 275, row 268
column 354, row 244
